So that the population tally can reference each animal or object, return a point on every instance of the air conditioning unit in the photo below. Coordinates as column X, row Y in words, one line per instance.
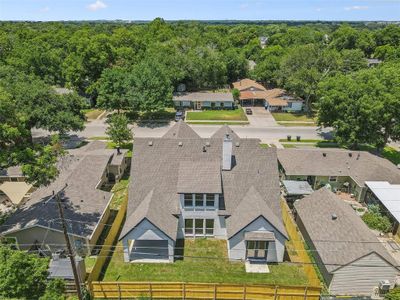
column 384, row 286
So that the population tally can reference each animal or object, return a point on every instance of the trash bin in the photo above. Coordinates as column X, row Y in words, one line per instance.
column 289, row 138
column 298, row 138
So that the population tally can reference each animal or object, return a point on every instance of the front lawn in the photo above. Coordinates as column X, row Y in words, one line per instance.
column 92, row 114
column 217, row 115
column 205, row 260
column 295, row 117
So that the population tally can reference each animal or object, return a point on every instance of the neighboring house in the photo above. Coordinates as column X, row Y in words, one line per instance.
column 351, row 258
column 343, row 170
column 222, row 187
column 263, row 41
column 36, row 224
column 387, row 196
column 293, row 189
column 13, row 194
column 254, row 94
column 12, row 174
column 204, row 100
column 373, row 62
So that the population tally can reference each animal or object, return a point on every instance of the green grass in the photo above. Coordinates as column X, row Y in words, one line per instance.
column 388, row 152
column 292, row 117
column 297, row 124
column 89, row 263
column 205, row 261
column 161, row 115
column 217, row 123
column 92, row 114
column 301, row 141
column 120, row 190
column 98, row 138
column 264, row 146
column 217, row 115
column 289, row 145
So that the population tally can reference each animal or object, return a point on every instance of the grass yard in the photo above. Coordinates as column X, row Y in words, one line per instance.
column 92, row 114
column 218, row 123
column 297, row 124
column 292, row 117
column 205, row 261
column 217, row 115
column 112, row 145
column 120, row 190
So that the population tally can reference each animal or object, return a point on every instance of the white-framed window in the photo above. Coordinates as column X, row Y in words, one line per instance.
column 210, row 200
column 199, row 201
column 188, row 200
column 332, row 178
column 199, row 227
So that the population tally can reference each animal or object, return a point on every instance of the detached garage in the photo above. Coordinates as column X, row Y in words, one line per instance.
column 351, row 259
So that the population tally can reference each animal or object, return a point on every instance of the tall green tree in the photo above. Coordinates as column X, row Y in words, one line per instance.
column 150, row 87
column 118, row 129
column 304, row 67
column 362, row 107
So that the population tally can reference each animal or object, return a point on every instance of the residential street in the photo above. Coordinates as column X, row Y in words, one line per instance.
column 265, row 134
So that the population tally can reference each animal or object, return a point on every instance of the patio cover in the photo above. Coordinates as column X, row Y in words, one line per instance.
column 388, row 194
column 294, row 187
column 259, row 236
column 15, row 191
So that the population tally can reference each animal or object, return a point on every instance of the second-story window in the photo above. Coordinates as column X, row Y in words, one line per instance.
column 188, row 199
column 199, row 200
column 210, row 200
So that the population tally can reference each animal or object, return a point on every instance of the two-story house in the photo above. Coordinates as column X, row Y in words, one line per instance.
column 222, row 187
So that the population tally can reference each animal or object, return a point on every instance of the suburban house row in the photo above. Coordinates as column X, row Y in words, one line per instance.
column 251, row 93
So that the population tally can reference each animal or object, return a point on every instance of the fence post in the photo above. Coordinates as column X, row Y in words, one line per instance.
column 276, row 293
column 215, row 291
column 119, row 291
column 244, row 292
column 305, row 293
column 151, row 290
column 184, row 291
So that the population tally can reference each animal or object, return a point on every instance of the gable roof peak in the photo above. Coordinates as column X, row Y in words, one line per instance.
column 181, row 130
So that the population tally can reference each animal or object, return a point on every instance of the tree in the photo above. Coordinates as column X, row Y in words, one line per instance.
column 54, row 290
column 236, row 94
column 22, row 275
column 362, row 107
column 352, row 60
column 304, row 67
column 268, row 66
column 26, row 103
column 150, row 88
column 118, row 129
column 112, row 89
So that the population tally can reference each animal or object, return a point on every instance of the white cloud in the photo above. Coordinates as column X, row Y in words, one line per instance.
column 97, row 5
column 356, row 7
column 45, row 9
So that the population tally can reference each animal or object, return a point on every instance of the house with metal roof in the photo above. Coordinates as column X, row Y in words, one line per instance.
column 350, row 257
column 184, row 186
column 343, row 170
column 204, row 100
column 36, row 224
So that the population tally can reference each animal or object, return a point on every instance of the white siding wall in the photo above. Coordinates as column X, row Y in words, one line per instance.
column 237, row 244
column 356, row 280
column 296, row 106
column 147, row 231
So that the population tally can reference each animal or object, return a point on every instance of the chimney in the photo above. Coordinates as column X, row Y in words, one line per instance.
column 227, row 153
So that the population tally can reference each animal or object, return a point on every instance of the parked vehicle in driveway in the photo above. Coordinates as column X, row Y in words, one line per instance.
column 180, row 115
column 249, row 111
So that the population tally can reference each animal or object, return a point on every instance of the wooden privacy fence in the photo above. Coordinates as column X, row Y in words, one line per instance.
column 179, row 290
column 296, row 246
column 108, row 243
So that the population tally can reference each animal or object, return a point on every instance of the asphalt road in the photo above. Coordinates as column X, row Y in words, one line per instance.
column 264, row 133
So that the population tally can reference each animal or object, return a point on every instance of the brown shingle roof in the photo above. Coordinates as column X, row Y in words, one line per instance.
column 247, row 83
column 155, row 175
column 338, row 241
column 361, row 166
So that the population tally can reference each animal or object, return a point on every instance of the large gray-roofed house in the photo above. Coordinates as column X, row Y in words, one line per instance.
column 179, row 190
column 205, row 99
column 86, row 207
column 350, row 257
column 343, row 169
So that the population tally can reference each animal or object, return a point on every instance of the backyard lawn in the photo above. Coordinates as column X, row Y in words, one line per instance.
column 292, row 117
column 217, row 115
column 205, row 260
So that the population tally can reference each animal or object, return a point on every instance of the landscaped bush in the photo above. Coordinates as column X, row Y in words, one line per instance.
column 375, row 220
column 393, row 294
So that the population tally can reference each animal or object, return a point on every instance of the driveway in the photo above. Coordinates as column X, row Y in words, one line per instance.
column 261, row 118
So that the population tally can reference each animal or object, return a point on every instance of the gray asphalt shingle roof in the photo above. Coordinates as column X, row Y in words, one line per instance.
column 361, row 166
column 338, row 241
column 84, row 203
column 203, row 96
column 153, row 192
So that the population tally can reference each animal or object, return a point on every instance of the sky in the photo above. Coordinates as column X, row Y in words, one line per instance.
column 55, row 10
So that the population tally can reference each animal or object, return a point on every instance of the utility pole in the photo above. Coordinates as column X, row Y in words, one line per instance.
column 70, row 254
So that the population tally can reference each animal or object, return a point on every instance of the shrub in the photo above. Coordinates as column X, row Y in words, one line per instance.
column 393, row 294
column 375, row 220
column 54, row 290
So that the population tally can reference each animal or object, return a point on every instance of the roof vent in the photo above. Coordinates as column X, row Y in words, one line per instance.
column 180, row 144
column 208, row 144
column 334, row 217
column 350, row 154
column 204, row 149
column 237, row 144
column 150, row 143
column 324, row 154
